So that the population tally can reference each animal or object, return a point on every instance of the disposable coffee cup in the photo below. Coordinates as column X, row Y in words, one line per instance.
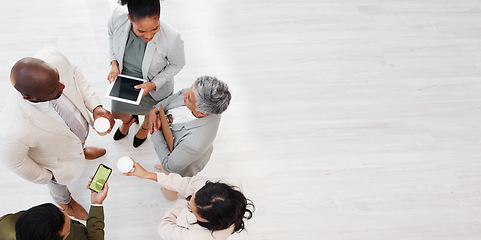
column 125, row 164
column 102, row 126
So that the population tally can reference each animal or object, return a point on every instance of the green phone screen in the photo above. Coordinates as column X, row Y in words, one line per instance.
column 100, row 178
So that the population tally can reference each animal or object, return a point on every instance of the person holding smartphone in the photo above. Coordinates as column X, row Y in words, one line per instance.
column 45, row 124
column 142, row 46
column 215, row 208
column 47, row 221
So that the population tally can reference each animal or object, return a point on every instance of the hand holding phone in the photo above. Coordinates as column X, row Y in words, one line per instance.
column 100, row 178
column 98, row 197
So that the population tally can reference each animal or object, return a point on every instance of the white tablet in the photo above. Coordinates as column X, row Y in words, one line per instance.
column 122, row 89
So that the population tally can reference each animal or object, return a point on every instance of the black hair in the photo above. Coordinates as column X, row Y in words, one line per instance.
column 139, row 9
column 222, row 206
column 42, row 222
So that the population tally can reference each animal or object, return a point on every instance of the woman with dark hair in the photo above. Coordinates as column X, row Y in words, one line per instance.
column 142, row 46
column 214, row 209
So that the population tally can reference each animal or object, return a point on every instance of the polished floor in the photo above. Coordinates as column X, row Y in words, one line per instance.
column 356, row 119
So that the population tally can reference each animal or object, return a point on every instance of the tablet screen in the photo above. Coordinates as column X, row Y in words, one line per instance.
column 122, row 89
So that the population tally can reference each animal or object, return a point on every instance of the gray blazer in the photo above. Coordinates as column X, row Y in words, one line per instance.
column 164, row 55
column 192, row 141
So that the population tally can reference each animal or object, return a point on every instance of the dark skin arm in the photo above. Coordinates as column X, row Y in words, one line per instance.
column 99, row 111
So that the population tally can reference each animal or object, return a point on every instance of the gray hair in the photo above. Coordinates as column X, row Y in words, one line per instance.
column 211, row 94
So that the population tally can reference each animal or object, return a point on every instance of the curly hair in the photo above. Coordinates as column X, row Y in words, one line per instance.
column 222, row 206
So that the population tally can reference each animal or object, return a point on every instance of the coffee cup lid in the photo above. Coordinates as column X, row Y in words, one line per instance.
column 101, row 124
column 125, row 164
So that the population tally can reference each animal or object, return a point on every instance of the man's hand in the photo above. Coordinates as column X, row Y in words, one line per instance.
column 114, row 71
column 98, row 197
column 155, row 122
column 147, row 86
column 99, row 111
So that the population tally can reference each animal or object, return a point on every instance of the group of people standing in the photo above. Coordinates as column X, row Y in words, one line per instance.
column 48, row 117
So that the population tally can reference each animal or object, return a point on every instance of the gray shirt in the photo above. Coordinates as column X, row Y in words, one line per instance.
column 134, row 55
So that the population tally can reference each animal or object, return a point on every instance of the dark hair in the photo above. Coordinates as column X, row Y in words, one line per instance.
column 222, row 206
column 139, row 9
column 42, row 222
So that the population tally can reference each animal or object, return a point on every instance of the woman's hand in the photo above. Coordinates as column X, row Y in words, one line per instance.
column 147, row 86
column 155, row 122
column 114, row 71
column 140, row 172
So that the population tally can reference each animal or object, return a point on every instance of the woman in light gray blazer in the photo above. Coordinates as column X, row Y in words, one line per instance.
column 143, row 46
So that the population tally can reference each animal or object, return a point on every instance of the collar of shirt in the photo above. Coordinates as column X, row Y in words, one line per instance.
column 40, row 105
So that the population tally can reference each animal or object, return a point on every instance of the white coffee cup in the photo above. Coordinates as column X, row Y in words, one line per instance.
column 125, row 164
column 102, row 126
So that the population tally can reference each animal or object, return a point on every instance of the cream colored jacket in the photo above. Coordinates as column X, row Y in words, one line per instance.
column 34, row 145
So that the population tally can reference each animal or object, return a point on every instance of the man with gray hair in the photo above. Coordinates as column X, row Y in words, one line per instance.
column 195, row 114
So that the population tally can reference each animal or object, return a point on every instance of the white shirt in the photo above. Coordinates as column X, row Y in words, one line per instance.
column 181, row 114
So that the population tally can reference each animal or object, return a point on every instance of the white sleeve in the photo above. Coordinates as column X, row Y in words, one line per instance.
column 169, row 229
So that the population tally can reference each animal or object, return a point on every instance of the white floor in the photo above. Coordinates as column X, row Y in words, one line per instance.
column 356, row 119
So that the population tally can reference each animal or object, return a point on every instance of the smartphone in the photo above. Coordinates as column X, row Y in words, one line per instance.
column 100, row 178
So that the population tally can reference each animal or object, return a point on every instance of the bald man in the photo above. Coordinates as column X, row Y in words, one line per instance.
column 45, row 123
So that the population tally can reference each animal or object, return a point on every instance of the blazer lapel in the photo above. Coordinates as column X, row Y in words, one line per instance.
column 71, row 91
column 123, row 42
column 41, row 120
column 81, row 107
column 148, row 55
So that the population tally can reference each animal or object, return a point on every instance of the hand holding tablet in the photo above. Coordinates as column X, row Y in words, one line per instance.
column 123, row 89
column 147, row 86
